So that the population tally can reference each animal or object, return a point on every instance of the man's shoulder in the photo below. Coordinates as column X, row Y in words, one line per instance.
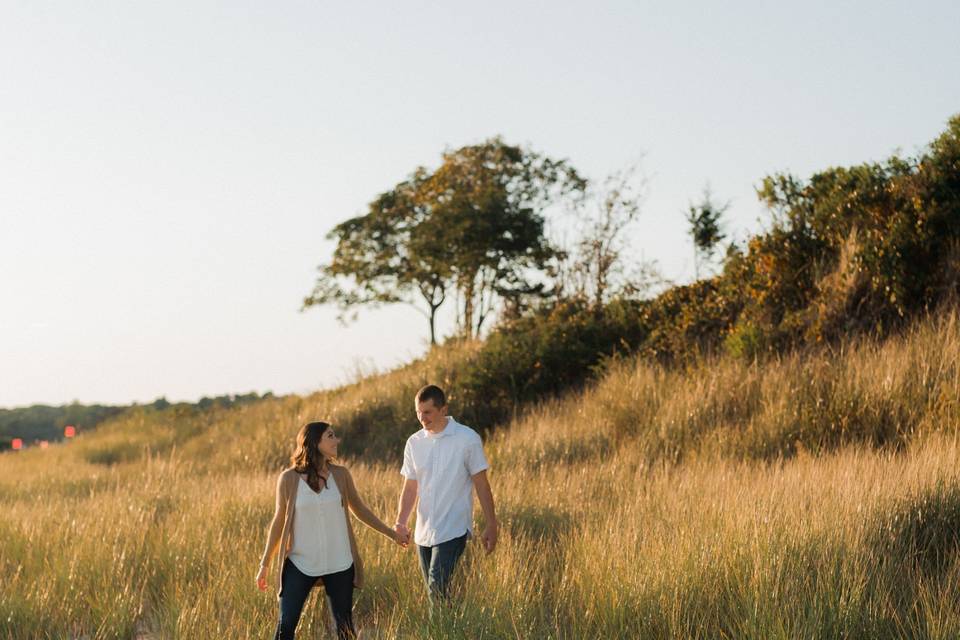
column 416, row 436
column 465, row 432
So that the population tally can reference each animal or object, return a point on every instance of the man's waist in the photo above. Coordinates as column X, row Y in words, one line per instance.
column 433, row 538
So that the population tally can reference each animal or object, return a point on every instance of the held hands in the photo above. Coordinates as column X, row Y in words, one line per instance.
column 401, row 535
column 262, row 578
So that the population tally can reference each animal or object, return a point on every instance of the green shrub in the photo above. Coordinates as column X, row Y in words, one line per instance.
column 851, row 250
column 746, row 340
column 685, row 322
column 903, row 217
column 547, row 352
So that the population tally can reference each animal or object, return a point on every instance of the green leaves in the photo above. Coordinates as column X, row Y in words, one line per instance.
column 704, row 221
column 474, row 225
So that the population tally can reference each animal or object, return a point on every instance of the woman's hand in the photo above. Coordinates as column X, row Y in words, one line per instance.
column 262, row 578
column 401, row 535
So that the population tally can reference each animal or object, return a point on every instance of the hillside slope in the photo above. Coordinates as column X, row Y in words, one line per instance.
column 817, row 495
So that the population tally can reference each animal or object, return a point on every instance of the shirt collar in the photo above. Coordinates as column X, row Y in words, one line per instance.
column 451, row 424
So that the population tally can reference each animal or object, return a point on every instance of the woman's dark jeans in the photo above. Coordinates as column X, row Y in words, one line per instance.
column 294, row 589
column 437, row 563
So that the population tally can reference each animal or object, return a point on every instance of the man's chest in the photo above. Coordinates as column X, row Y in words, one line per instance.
column 439, row 459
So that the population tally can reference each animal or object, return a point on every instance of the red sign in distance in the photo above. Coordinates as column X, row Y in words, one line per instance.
column 69, row 431
column 17, row 444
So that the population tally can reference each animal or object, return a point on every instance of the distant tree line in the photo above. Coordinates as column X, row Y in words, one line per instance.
column 42, row 422
column 223, row 402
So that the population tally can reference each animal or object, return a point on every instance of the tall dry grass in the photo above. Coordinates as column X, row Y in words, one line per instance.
column 880, row 394
column 814, row 497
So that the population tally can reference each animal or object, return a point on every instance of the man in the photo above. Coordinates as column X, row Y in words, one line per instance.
column 442, row 465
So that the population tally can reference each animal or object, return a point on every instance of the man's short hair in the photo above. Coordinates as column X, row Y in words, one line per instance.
column 432, row 392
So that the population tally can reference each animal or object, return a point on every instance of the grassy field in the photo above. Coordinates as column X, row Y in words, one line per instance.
column 816, row 496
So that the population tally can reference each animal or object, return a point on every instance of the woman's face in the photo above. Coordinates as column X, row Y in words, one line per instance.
column 328, row 444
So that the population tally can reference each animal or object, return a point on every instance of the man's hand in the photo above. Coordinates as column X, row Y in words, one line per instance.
column 401, row 535
column 408, row 497
column 262, row 579
column 489, row 537
column 485, row 496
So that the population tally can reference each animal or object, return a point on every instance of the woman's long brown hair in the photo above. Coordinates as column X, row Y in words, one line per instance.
column 306, row 457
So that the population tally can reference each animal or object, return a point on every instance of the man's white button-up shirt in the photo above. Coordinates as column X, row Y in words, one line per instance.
column 443, row 465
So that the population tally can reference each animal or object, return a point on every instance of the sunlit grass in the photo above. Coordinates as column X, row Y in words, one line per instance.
column 885, row 394
column 817, row 496
column 858, row 544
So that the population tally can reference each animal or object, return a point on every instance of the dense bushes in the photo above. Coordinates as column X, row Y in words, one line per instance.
column 687, row 321
column 547, row 352
column 852, row 249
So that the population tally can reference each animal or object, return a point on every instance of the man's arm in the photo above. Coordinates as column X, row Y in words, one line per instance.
column 485, row 496
column 408, row 497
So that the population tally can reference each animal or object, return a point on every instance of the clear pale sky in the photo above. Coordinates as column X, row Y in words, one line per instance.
column 169, row 171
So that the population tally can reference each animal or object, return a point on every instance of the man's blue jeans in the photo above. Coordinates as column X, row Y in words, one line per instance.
column 437, row 563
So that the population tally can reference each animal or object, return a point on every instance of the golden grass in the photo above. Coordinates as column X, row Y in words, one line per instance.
column 817, row 496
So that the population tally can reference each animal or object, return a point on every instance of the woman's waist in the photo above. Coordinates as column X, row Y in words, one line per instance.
column 324, row 530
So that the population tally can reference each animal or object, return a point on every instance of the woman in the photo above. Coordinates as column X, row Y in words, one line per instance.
column 313, row 533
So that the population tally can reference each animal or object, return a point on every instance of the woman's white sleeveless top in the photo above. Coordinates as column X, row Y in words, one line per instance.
column 321, row 544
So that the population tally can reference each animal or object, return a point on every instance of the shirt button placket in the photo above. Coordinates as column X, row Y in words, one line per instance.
column 434, row 453
column 436, row 472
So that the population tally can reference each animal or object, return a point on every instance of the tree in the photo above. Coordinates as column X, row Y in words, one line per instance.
column 474, row 227
column 705, row 229
column 487, row 202
column 383, row 257
column 595, row 271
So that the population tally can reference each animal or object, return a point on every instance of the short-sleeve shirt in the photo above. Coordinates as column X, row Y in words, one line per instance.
column 443, row 465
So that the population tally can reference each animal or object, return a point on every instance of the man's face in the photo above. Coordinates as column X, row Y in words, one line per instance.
column 432, row 417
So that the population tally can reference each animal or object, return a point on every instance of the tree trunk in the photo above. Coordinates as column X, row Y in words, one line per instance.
column 437, row 295
column 468, row 289
column 487, row 298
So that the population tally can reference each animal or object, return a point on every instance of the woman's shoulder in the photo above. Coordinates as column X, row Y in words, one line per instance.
column 338, row 469
column 288, row 475
column 342, row 474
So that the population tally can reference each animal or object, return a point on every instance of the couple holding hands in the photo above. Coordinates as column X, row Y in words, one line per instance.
column 443, row 464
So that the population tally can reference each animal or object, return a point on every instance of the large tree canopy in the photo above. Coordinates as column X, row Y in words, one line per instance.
column 474, row 227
